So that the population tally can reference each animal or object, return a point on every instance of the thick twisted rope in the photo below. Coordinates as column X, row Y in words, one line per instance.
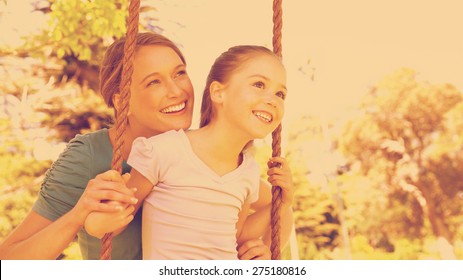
column 123, row 108
column 276, row 138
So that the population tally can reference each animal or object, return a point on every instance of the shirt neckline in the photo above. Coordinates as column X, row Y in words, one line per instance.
column 199, row 164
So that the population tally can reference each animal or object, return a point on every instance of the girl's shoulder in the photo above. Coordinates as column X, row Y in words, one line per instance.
column 250, row 161
column 159, row 144
column 169, row 138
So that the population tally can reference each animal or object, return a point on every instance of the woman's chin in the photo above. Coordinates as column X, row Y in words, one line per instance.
column 185, row 125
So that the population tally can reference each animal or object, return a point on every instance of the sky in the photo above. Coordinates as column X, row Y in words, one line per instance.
column 334, row 51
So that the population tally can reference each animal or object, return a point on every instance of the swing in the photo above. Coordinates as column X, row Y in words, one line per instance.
column 121, row 121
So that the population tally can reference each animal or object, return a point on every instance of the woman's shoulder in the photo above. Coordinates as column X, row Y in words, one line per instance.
column 83, row 147
column 92, row 141
column 99, row 136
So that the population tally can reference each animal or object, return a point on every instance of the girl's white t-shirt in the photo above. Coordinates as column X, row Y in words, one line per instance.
column 192, row 212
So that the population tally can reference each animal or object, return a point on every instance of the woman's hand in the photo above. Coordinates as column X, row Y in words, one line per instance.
column 254, row 249
column 282, row 177
column 107, row 186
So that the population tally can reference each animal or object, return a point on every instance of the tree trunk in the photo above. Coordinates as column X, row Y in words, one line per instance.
column 437, row 220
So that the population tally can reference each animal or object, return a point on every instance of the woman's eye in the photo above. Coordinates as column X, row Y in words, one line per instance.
column 259, row 84
column 154, row 82
column 281, row 94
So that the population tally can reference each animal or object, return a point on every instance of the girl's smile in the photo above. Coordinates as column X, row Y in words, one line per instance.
column 264, row 116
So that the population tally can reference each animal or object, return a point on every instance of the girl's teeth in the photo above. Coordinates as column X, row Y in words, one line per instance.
column 263, row 116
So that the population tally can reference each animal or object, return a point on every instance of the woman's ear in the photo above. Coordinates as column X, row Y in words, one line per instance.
column 216, row 92
column 116, row 99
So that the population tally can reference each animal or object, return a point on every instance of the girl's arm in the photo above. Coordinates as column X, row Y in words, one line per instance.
column 254, row 249
column 282, row 177
column 252, row 226
column 98, row 223
column 258, row 224
column 40, row 238
column 286, row 220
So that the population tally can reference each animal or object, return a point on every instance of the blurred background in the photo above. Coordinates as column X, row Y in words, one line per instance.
column 373, row 125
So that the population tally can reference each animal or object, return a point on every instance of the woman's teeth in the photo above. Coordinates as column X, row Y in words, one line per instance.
column 174, row 108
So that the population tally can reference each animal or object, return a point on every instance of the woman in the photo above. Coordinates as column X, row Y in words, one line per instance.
column 81, row 179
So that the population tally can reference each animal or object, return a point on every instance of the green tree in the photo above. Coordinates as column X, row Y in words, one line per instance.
column 78, row 32
column 394, row 140
column 315, row 210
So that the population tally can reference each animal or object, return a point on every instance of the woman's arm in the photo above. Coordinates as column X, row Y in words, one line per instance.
column 39, row 238
column 98, row 223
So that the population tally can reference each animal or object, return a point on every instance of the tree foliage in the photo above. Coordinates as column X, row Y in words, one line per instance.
column 398, row 142
column 315, row 210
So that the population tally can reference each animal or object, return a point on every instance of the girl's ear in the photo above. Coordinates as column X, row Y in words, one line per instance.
column 216, row 92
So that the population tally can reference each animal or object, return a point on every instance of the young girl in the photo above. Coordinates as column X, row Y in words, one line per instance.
column 205, row 180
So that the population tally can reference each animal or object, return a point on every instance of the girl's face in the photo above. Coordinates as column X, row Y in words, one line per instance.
column 253, row 99
column 162, row 95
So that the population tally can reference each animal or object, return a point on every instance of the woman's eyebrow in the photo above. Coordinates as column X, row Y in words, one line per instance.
column 156, row 73
column 147, row 76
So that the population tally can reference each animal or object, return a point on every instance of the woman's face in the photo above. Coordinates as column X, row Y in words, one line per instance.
column 162, row 95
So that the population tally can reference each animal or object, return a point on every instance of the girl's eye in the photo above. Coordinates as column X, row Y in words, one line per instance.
column 180, row 73
column 154, row 82
column 259, row 84
column 281, row 94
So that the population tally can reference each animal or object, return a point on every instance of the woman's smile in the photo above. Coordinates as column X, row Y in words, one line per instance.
column 175, row 108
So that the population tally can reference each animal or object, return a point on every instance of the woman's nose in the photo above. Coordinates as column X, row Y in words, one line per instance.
column 174, row 90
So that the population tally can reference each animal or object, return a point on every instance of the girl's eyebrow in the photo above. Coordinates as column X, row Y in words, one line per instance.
column 156, row 73
column 265, row 78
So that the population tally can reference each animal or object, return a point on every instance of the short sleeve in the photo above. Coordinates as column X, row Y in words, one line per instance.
column 254, row 194
column 144, row 159
column 65, row 181
column 254, row 178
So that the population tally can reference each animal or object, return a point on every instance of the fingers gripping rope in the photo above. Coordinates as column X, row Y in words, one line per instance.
column 276, row 138
column 121, row 121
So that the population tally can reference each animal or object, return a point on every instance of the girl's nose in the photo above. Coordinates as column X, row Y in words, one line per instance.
column 271, row 100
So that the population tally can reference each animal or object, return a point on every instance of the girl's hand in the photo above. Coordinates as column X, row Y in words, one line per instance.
column 106, row 186
column 98, row 223
column 254, row 249
column 281, row 176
